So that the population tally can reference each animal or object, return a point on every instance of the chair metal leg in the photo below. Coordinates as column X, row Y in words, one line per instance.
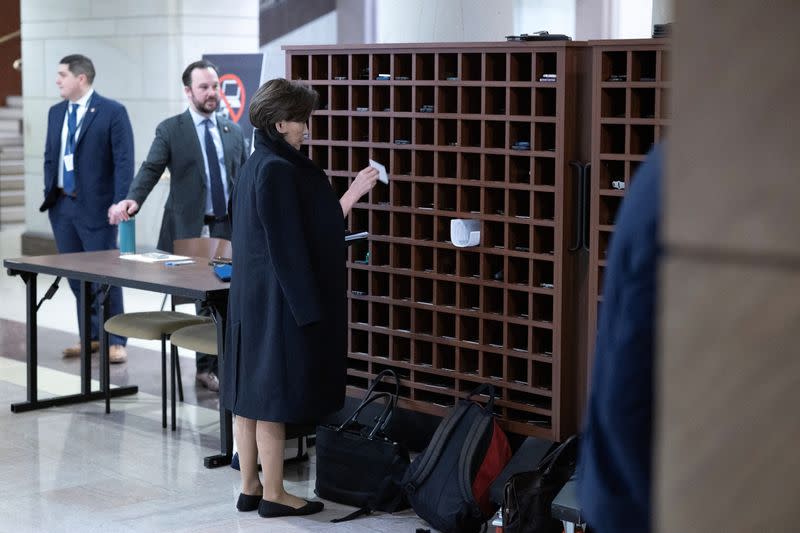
column 173, row 356
column 164, row 381
column 178, row 372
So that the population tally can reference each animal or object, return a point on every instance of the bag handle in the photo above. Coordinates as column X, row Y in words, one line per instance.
column 551, row 458
column 489, row 389
column 386, row 410
column 383, row 422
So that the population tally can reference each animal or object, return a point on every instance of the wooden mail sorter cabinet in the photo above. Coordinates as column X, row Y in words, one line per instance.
column 630, row 112
column 468, row 130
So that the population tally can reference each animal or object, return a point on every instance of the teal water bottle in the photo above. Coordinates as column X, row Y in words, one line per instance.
column 127, row 236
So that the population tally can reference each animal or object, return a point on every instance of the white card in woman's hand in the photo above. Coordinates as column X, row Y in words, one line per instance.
column 382, row 175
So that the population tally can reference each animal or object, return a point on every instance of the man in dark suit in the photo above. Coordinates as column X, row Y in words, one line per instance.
column 88, row 165
column 203, row 152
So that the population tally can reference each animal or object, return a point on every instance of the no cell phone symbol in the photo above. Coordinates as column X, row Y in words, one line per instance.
column 233, row 95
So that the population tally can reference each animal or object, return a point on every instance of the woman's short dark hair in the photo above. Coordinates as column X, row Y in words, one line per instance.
column 279, row 100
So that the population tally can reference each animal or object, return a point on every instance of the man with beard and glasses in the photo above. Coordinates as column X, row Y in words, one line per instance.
column 203, row 152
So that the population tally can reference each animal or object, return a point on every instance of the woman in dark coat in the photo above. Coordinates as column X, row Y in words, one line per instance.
column 285, row 351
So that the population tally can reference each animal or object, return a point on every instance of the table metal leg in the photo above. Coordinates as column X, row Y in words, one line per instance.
column 225, row 416
column 31, row 333
column 85, row 320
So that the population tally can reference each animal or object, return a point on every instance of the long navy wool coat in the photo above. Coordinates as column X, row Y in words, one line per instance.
column 285, row 355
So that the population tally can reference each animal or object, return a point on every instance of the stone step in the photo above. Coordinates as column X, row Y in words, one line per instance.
column 11, row 113
column 12, row 153
column 12, row 215
column 10, row 139
column 14, row 101
column 13, row 182
column 10, row 125
column 12, row 198
column 14, row 166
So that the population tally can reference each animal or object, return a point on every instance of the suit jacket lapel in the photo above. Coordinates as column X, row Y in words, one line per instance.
column 92, row 109
column 225, row 132
column 189, row 132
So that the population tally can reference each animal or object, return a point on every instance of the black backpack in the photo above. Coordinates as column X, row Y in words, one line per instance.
column 529, row 495
column 448, row 484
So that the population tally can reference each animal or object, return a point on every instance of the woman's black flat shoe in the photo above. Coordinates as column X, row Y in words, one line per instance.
column 269, row 509
column 248, row 503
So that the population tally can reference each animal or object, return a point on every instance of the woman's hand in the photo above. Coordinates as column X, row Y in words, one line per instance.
column 364, row 182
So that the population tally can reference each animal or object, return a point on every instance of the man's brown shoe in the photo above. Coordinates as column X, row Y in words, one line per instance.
column 75, row 350
column 117, row 354
column 208, row 380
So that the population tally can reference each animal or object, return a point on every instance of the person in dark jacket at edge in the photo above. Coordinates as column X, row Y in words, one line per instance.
column 286, row 347
column 616, row 451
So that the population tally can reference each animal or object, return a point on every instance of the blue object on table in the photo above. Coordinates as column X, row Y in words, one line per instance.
column 223, row 272
column 127, row 236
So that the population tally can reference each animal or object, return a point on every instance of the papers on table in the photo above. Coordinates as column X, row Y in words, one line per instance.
column 382, row 175
column 153, row 257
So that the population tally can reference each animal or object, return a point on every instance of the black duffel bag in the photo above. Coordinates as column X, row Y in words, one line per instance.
column 358, row 464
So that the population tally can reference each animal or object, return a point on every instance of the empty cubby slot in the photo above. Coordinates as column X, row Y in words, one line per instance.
column 423, row 290
column 359, row 254
column 319, row 154
column 446, row 325
column 532, row 419
column 359, row 159
column 470, row 101
column 423, row 322
column 402, row 99
column 643, row 67
column 401, row 225
column 468, row 361
column 447, row 135
column 519, row 203
column 532, row 400
column 517, row 304
column 519, row 136
column 401, row 287
column 542, row 341
column 401, row 349
column 379, row 195
column 601, row 271
column 612, row 103
column 447, row 101
column 445, row 261
column 493, row 267
column 469, row 297
column 546, row 66
column 519, row 169
column 519, row 237
column 380, row 99
column 380, row 284
column 401, row 193
column 448, row 66
column 519, row 101
column 434, row 380
column 380, row 223
column 359, row 341
column 612, row 139
column 494, row 235
column 519, row 271
column 299, row 67
column 494, row 201
column 402, row 67
column 470, row 167
column 359, row 99
column 358, row 364
column 470, row 200
column 401, row 318
column 604, row 238
column 545, row 136
column 446, row 197
column 359, row 219
column 319, row 127
column 446, row 354
column 520, row 67
column 380, row 254
column 423, row 164
column 380, row 66
column 445, row 294
column 495, row 100
column 495, row 67
column 471, row 133
column 608, row 208
column 340, row 184
column 382, row 156
column 402, row 131
column 494, row 169
column 360, row 67
column 542, row 274
column 446, row 165
column 339, row 157
column 642, row 139
column 443, row 230
column 542, row 309
column 543, row 240
column 339, row 129
column 612, row 174
column 468, row 328
column 517, row 370
column 359, row 282
column 401, row 162
column 423, row 99
column 495, row 134
column 339, row 98
column 542, row 377
column 423, row 227
column 544, row 205
column 492, row 300
column 423, row 258
column 380, row 345
column 380, row 315
column 544, row 171
column 424, row 66
column 634, row 168
column 469, row 264
column 492, row 363
column 518, row 338
column 614, row 66
column 339, row 67
column 380, row 130
column 424, row 132
column 322, row 91
column 401, row 256
column 643, row 103
column 439, row 400
column 471, row 67
column 545, row 102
